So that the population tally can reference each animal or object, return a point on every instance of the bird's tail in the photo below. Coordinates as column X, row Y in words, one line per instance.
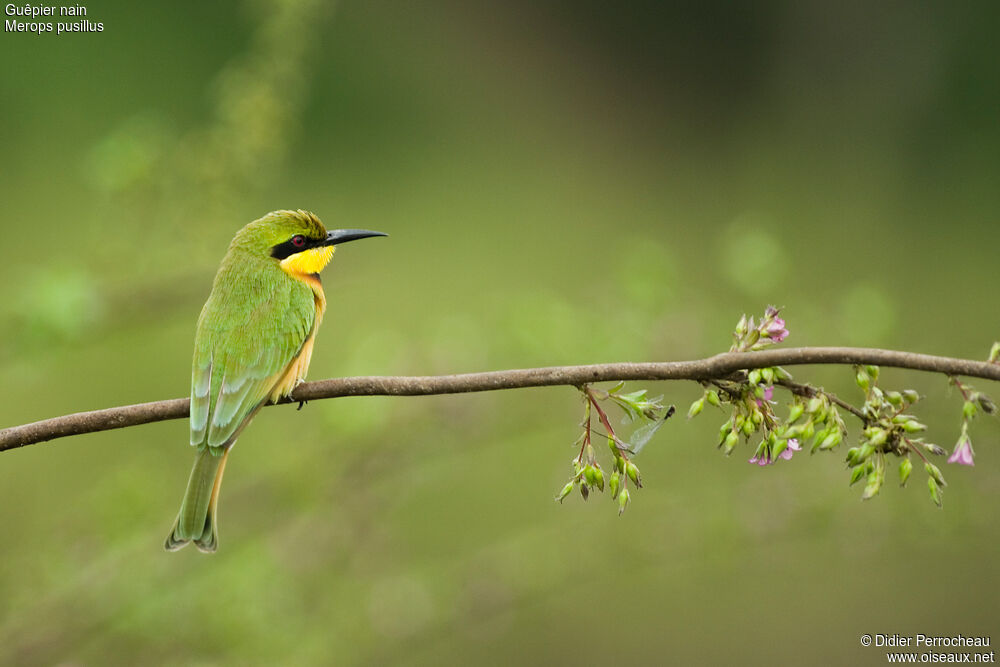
column 197, row 519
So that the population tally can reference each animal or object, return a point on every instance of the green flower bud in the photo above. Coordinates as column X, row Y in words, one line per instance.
column 913, row 426
column 633, row 474
column 911, row 396
column 857, row 472
column 584, row 490
column 873, row 486
column 995, row 353
column 598, row 478
column 876, row 436
column 748, row 427
column 614, row 484
column 831, row 440
column 795, row 412
column 934, row 449
column 565, row 492
column 864, row 382
column 696, row 408
column 895, row 398
column 741, row 326
column 757, row 417
column 729, row 444
column 713, row 398
column 613, row 446
column 814, row 405
column 872, row 372
column 622, row 501
column 854, row 456
column 725, row 430
column 968, row 410
column 778, row 447
column 590, row 474
column 767, row 375
column 905, row 468
column 818, row 439
column 935, row 491
column 808, row 430
column 935, row 473
column 752, row 338
column 754, row 376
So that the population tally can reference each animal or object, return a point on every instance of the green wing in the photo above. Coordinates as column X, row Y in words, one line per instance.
column 251, row 328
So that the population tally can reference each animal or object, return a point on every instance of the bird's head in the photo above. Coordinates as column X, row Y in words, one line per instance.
column 297, row 240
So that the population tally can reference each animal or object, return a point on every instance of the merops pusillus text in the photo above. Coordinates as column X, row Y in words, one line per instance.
column 253, row 345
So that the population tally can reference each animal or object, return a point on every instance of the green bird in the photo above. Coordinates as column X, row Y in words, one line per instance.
column 253, row 344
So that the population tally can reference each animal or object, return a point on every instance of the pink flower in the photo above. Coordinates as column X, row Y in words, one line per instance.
column 763, row 455
column 775, row 329
column 963, row 451
column 793, row 446
column 768, row 395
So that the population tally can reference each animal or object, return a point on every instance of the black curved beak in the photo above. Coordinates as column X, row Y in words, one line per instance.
column 335, row 236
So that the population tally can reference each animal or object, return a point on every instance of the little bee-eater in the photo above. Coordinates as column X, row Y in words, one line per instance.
column 253, row 344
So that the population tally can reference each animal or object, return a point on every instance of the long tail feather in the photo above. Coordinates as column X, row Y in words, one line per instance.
column 196, row 521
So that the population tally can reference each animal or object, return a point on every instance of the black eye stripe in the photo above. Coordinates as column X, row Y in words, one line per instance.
column 288, row 248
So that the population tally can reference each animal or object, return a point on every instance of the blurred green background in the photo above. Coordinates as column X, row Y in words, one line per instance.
column 564, row 182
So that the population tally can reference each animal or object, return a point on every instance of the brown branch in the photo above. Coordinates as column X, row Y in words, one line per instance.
column 719, row 366
column 810, row 391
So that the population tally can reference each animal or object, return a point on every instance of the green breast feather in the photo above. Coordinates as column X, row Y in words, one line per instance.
column 253, row 324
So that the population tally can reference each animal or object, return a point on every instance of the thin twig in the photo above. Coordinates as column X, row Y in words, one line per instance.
column 719, row 366
column 811, row 391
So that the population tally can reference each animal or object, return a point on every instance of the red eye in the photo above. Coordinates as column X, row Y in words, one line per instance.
column 298, row 240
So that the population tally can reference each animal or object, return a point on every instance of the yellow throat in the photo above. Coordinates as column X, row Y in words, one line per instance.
column 307, row 262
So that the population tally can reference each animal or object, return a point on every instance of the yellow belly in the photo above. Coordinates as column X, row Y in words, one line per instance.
column 297, row 368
